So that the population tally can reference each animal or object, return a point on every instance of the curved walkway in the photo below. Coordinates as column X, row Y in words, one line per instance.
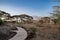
column 21, row 34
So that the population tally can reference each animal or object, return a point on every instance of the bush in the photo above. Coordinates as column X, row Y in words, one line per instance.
column 41, row 21
column 32, row 29
column 31, row 33
column 55, row 20
column 1, row 22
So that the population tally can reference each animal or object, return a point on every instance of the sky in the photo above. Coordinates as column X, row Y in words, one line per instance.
column 29, row 7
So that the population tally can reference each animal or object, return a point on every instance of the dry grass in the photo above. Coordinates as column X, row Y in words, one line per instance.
column 44, row 31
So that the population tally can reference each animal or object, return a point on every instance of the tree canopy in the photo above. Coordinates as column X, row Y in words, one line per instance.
column 56, row 14
column 25, row 16
column 3, row 13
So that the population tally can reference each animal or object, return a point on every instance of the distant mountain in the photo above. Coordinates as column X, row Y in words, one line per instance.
column 36, row 17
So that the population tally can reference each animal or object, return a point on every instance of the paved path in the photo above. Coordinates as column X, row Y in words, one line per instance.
column 21, row 34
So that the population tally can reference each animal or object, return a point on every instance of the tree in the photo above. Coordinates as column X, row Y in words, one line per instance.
column 41, row 21
column 1, row 13
column 24, row 16
column 4, row 14
column 56, row 14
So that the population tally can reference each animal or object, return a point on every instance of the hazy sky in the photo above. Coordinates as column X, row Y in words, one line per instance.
column 30, row 7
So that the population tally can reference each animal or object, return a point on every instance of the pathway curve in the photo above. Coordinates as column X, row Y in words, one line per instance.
column 21, row 34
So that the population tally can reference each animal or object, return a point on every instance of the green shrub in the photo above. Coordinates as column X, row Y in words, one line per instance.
column 31, row 33
column 55, row 20
column 1, row 22
column 32, row 29
column 41, row 21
